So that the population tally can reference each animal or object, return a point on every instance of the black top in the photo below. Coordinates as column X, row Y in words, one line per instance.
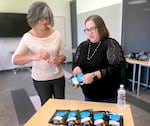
column 108, row 59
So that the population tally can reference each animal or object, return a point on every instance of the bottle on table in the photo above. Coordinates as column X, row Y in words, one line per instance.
column 121, row 98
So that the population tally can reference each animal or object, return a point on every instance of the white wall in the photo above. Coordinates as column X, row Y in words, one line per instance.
column 89, row 5
column 109, row 10
column 61, row 10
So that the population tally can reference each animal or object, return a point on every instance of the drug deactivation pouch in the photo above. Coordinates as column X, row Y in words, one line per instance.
column 100, row 118
column 115, row 119
column 76, row 81
column 73, row 118
column 59, row 117
column 86, row 118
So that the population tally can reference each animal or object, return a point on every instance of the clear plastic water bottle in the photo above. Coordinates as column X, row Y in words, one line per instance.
column 54, row 69
column 121, row 99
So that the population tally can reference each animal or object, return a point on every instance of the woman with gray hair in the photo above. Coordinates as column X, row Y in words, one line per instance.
column 43, row 46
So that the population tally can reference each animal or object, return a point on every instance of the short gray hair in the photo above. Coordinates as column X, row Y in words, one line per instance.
column 36, row 12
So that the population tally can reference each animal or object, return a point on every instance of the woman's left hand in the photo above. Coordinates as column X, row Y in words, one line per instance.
column 87, row 78
column 56, row 61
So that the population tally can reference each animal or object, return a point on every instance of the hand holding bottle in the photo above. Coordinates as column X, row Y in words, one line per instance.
column 53, row 62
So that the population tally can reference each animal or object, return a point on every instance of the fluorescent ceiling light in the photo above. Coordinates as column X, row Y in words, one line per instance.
column 137, row 1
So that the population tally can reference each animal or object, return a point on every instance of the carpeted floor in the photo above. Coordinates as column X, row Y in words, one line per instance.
column 23, row 105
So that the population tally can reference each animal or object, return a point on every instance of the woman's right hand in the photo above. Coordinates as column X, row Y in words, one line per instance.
column 76, row 70
column 41, row 56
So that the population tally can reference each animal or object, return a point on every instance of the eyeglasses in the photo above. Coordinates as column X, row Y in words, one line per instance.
column 44, row 19
column 92, row 29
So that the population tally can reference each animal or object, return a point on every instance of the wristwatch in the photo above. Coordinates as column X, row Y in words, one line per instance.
column 94, row 76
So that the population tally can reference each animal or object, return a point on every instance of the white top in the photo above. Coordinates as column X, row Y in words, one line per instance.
column 53, row 44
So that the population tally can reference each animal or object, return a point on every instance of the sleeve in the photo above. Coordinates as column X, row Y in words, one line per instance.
column 22, row 48
column 115, row 58
column 77, row 53
column 76, row 57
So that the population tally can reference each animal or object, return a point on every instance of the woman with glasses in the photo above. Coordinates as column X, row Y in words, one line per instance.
column 43, row 46
column 100, row 59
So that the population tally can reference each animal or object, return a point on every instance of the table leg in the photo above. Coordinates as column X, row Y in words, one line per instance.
column 133, row 79
column 139, row 78
column 147, row 77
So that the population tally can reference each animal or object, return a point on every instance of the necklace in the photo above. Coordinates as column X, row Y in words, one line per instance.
column 89, row 49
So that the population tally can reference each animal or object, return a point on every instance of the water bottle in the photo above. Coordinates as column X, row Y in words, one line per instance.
column 54, row 69
column 121, row 99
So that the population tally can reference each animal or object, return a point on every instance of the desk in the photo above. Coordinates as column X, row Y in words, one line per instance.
column 41, row 117
column 139, row 63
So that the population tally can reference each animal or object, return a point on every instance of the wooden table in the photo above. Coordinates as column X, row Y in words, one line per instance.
column 140, row 64
column 42, row 116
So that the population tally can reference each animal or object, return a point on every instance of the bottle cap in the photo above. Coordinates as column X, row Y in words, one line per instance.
column 122, row 86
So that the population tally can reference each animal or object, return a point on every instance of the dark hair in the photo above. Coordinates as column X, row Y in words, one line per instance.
column 100, row 25
column 36, row 11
